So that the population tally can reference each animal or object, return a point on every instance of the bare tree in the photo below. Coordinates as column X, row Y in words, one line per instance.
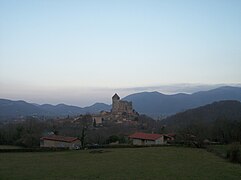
column 85, row 123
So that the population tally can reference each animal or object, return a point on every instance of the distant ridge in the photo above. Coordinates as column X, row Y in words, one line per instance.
column 15, row 109
column 155, row 104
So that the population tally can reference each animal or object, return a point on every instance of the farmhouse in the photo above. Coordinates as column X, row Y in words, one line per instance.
column 60, row 142
column 148, row 139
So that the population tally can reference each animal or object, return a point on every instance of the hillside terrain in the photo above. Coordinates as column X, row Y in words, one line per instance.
column 229, row 109
column 219, row 122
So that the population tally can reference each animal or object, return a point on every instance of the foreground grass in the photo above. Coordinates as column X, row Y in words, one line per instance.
column 135, row 163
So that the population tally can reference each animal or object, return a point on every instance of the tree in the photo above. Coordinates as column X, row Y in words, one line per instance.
column 94, row 123
column 85, row 122
column 113, row 139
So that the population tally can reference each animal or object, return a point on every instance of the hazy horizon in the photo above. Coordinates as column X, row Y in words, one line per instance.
column 81, row 52
column 104, row 95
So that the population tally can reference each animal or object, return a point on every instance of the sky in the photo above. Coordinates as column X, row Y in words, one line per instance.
column 81, row 52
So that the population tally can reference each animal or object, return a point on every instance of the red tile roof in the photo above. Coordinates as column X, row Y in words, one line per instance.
column 145, row 136
column 59, row 138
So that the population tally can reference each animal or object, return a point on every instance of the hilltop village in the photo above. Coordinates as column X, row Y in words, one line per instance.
column 122, row 111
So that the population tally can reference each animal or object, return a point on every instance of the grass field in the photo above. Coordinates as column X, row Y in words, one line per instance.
column 9, row 147
column 129, row 163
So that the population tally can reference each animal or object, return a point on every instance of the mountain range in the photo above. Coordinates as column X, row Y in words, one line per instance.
column 153, row 104
column 14, row 109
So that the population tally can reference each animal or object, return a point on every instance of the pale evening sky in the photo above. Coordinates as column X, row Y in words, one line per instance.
column 80, row 52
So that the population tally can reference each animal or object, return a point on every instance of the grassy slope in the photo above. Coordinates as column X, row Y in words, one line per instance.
column 138, row 163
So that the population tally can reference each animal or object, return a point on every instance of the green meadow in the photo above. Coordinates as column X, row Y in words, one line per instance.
column 125, row 163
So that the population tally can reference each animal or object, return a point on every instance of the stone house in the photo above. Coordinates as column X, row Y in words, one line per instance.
column 140, row 138
column 98, row 119
column 56, row 141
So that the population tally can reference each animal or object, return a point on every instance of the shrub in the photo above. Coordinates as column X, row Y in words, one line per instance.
column 234, row 153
